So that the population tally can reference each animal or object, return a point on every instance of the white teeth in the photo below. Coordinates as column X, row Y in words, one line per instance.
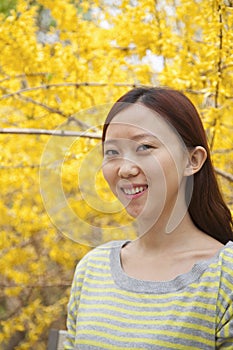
column 133, row 190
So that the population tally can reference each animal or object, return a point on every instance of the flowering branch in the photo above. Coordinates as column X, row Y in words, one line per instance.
column 62, row 133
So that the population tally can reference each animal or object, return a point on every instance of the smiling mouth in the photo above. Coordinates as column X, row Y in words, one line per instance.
column 134, row 190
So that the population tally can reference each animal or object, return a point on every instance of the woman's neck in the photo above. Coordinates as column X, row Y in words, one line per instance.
column 158, row 239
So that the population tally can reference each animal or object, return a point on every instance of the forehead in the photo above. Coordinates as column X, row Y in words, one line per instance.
column 138, row 119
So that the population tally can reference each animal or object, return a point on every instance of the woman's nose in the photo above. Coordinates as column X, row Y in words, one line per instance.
column 127, row 169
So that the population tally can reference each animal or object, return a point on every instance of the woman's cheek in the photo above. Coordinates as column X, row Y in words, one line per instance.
column 108, row 173
column 105, row 171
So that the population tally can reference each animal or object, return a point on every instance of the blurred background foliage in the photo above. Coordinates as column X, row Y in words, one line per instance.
column 59, row 60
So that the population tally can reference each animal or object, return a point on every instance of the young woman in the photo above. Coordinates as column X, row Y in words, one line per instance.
column 172, row 287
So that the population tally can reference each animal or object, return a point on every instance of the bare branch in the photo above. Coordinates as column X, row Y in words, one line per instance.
column 224, row 174
column 23, row 75
column 83, row 125
column 50, row 109
column 87, row 84
column 48, row 86
column 62, row 133
column 198, row 92
column 78, row 122
column 221, row 151
column 69, row 84
column 21, row 166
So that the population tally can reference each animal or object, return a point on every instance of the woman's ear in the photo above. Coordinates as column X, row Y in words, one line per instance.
column 196, row 158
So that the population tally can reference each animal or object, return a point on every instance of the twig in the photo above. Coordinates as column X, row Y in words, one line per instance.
column 23, row 75
column 62, row 133
column 200, row 92
column 20, row 166
column 50, row 109
column 69, row 84
column 87, row 84
column 49, row 86
column 224, row 174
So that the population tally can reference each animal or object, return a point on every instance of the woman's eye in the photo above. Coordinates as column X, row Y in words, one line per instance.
column 111, row 152
column 144, row 147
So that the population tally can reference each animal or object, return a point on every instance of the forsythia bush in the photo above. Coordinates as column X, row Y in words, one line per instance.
column 62, row 63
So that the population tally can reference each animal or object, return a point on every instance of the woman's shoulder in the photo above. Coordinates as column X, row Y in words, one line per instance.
column 226, row 254
column 97, row 259
column 223, row 270
column 224, row 262
column 101, row 252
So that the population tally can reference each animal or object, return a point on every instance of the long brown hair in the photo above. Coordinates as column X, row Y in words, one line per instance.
column 207, row 207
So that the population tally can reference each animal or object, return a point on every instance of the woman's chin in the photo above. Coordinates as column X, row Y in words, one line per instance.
column 146, row 218
column 134, row 212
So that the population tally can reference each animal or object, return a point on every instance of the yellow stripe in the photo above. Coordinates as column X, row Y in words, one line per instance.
column 80, row 273
column 229, row 258
column 72, row 305
column 105, row 267
column 225, row 296
column 228, row 270
column 191, row 326
column 204, row 284
column 227, row 328
column 213, row 267
column 79, row 284
column 165, row 332
column 102, row 282
column 148, row 322
column 222, row 310
column 149, row 313
column 71, row 332
column 203, row 305
column 101, row 274
column 76, row 295
column 227, row 283
column 145, row 340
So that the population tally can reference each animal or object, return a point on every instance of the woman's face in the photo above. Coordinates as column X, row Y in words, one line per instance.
column 144, row 162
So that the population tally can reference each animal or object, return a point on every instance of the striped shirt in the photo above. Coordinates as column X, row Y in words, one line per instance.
column 110, row 310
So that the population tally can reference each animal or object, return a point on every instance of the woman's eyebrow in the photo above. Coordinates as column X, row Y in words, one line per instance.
column 134, row 138
column 144, row 135
column 111, row 141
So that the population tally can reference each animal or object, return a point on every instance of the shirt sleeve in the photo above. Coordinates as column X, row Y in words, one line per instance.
column 75, row 293
column 224, row 335
column 224, row 315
